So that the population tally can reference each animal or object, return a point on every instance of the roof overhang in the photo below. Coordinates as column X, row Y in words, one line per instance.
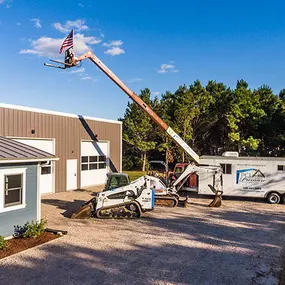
column 6, row 161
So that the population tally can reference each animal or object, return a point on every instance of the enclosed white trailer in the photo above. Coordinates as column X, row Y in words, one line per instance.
column 262, row 177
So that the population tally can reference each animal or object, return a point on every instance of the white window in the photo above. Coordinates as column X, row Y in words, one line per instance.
column 46, row 168
column 93, row 162
column 12, row 189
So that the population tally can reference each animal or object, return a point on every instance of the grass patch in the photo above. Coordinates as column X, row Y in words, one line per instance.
column 135, row 174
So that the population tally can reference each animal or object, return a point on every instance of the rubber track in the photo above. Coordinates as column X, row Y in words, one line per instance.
column 166, row 199
column 119, row 206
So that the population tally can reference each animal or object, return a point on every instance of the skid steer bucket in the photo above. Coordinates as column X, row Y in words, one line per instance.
column 217, row 202
column 85, row 211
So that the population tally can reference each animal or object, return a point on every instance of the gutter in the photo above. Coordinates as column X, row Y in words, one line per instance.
column 6, row 161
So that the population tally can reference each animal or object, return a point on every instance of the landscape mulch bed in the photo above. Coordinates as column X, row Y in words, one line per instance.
column 16, row 245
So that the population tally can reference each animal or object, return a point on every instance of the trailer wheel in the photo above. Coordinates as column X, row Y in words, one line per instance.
column 273, row 198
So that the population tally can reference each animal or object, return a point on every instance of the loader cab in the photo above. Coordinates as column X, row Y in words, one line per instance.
column 158, row 168
column 116, row 180
column 158, row 165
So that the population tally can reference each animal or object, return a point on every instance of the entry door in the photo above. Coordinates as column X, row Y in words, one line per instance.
column 71, row 174
column 46, row 178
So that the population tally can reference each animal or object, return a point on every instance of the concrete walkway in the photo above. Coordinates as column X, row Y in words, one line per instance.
column 239, row 243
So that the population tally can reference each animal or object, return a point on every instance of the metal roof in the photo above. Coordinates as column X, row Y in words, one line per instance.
column 248, row 158
column 36, row 110
column 11, row 150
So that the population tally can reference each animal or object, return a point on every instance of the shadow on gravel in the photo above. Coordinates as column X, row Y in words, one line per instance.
column 222, row 246
column 228, row 198
column 146, row 265
column 68, row 207
column 196, row 251
column 248, row 230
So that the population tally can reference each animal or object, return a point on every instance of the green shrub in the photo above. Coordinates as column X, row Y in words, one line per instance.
column 34, row 229
column 3, row 243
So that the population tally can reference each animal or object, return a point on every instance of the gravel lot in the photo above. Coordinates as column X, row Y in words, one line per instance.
column 239, row 243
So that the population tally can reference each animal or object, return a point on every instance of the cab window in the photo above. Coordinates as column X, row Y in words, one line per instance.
column 227, row 168
column 114, row 182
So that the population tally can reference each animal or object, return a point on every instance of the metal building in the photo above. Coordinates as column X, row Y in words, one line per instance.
column 87, row 147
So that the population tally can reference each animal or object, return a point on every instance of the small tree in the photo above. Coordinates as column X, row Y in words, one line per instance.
column 138, row 128
column 190, row 114
column 165, row 109
column 244, row 114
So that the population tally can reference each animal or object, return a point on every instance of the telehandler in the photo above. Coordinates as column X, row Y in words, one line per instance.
column 131, row 200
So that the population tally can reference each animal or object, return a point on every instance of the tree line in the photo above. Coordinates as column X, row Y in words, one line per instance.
column 212, row 119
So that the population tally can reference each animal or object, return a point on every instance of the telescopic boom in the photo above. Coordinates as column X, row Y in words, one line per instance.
column 90, row 55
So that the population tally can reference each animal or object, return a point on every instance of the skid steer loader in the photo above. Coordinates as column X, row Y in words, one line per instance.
column 128, row 201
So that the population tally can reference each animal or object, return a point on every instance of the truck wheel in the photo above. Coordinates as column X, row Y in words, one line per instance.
column 273, row 198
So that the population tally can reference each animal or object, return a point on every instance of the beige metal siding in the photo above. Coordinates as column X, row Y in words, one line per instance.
column 67, row 132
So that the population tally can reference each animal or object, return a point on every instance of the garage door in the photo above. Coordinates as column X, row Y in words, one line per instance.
column 94, row 163
column 47, row 171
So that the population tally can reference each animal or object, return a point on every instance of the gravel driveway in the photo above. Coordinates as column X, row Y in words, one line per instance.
column 239, row 243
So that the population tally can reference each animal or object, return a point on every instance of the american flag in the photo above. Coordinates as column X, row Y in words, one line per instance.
column 68, row 42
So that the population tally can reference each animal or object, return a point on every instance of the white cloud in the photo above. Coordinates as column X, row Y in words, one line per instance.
column 30, row 51
column 78, row 70
column 165, row 68
column 78, row 25
column 37, row 23
column 114, row 51
column 115, row 43
column 46, row 46
column 135, row 79
column 60, row 28
column 7, row 2
column 88, row 40
column 155, row 93
column 86, row 78
column 114, row 48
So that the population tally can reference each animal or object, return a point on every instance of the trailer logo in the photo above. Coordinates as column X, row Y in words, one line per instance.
column 250, row 175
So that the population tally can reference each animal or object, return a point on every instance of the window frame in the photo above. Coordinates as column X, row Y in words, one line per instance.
column 225, row 168
column 7, row 172
column 46, row 167
column 97, row 162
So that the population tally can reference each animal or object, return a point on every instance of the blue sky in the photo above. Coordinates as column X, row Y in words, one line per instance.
column 154, row 44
